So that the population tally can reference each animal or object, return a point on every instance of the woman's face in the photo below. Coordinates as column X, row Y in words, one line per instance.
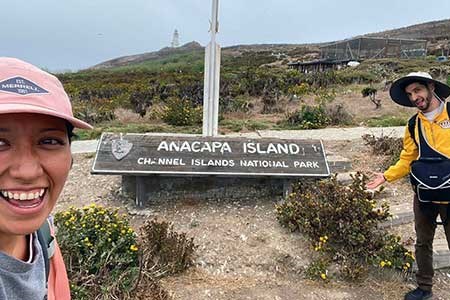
column 35, row 159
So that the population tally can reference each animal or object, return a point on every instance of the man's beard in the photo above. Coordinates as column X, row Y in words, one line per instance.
column 427, row 102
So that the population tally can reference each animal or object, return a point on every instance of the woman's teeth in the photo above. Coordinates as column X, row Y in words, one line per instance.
column 22, row 196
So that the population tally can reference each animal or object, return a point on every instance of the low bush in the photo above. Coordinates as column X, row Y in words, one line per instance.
column 164, row 251
column 100, row 250
column 181, row 112
column 388, row 146
column 94, row 111
column 299, row 90
column 106, row 259
column 342, row 224
column 338, row 115
column 324, row 96
column 307, row 117
column 356, row 76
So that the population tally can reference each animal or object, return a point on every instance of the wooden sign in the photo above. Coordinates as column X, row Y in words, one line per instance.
column 140, row 154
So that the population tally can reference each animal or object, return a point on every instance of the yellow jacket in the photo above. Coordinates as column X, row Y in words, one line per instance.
column 437, row 134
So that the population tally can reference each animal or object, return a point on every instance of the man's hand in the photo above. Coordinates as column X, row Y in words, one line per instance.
column 377, row 179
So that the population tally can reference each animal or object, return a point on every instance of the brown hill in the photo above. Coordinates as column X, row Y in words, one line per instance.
column 431, row 31
column 437, row 33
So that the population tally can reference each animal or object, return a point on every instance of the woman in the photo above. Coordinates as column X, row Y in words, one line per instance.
column 36, row 123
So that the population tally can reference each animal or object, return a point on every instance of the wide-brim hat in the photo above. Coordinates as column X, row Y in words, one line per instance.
column 25, row 88
column 397, row 90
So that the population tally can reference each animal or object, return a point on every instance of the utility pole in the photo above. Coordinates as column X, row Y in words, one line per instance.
column 212, row 77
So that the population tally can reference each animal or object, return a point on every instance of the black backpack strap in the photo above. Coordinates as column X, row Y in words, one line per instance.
column 411, row 128
column 46, row 240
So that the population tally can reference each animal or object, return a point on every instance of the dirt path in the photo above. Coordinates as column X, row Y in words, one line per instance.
column 243, row 252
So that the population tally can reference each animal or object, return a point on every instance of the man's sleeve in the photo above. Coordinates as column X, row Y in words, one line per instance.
column 409, row 153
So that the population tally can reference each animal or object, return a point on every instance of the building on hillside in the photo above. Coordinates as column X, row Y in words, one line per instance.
column 361, row 48
column 319, row 65
column 336, row 55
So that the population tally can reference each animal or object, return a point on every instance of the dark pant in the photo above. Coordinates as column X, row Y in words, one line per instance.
column 425, row 230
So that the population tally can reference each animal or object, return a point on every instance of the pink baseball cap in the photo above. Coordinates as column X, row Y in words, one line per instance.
column 25, row 88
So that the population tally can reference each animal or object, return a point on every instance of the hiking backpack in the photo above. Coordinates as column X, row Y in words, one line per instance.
column 47, row 242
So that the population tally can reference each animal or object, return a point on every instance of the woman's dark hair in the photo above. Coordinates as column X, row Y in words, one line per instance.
column 70, row 133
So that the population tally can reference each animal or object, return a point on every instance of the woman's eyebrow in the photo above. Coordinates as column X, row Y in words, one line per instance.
column 52, row 129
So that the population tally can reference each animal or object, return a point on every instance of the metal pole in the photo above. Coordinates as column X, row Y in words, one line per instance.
column 212, row 77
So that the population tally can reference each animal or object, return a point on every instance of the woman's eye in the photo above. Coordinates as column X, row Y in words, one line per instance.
column 52, row 141
column 3, row 143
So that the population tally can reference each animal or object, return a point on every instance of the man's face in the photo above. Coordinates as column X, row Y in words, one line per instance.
column 35, row 159
column 420, row 95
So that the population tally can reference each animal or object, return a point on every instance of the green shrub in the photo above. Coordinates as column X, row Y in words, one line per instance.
column 318, row 268
column 100, row 250
column 308, row 117
column 371, row 93
column 299, row 90
column 356, row 76
column 342, row 224
column 368, row 90
column 94, row 111
column 324, row 96
column 105, row 259
column 181, row 112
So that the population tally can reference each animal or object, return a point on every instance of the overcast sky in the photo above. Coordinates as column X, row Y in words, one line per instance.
column 74, row 34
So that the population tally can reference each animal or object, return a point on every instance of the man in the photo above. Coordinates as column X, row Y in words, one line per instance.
column 419, row 90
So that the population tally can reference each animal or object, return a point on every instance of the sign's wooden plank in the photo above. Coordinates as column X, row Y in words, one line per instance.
column 140, row 154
